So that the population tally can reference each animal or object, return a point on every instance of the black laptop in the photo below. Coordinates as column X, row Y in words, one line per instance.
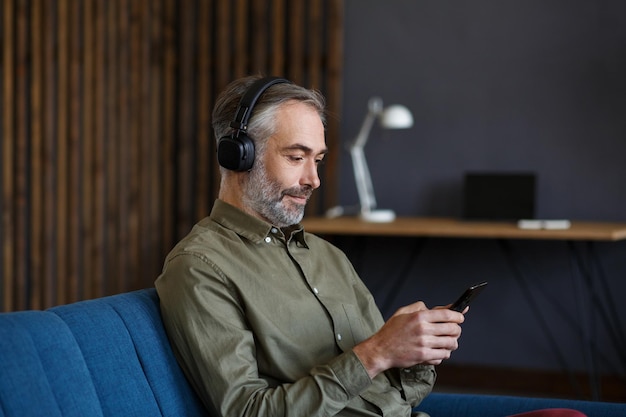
column 499, row 196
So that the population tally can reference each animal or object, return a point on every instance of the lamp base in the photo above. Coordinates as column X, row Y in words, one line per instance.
column 378, row 216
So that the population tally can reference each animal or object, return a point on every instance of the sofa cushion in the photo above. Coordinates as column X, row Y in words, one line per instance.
column 107, row 357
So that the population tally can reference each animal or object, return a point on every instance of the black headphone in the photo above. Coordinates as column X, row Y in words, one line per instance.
column 236, row 151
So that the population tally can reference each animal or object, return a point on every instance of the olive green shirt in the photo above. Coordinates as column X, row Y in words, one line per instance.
column 263, row 324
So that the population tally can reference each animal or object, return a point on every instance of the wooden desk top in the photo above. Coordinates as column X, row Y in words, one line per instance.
column 456, row 228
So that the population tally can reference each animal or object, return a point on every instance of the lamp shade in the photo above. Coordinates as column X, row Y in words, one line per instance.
column 396, row 116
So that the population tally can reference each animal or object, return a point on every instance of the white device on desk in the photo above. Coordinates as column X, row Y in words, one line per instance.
column 528, row 224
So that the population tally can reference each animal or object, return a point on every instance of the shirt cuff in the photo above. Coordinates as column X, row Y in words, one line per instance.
column 417, row 382
column 351, row 373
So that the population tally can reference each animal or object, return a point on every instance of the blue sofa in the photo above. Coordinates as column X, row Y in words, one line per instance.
column 111, row 357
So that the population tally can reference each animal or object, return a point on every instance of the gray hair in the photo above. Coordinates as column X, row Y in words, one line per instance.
column 262, row 121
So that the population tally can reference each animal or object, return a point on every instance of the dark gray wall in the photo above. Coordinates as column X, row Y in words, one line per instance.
column 494, row 86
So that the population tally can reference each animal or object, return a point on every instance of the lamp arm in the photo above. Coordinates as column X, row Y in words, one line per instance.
column 364, row 133
column 362, row 175
column 374, row 109
column 363, row 180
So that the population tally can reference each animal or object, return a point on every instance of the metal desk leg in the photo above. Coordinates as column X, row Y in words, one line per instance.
column 537, row 312
column 403, row 276
column 586, row 260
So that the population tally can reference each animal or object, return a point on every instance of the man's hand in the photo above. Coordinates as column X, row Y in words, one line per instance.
column 413, row 335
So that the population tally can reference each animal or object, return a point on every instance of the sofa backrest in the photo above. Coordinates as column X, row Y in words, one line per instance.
column 108, row 357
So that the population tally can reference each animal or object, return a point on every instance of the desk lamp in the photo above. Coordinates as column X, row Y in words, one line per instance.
column 391, row 117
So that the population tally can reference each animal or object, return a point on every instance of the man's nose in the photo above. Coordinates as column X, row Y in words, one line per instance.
column 311, row 176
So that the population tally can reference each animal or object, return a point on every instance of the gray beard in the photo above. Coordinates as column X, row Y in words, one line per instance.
column 265, row 197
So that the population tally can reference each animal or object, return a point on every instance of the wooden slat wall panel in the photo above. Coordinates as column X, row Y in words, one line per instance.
column 7, row 231
column 37, row 187
column 21, row 151
column 167, row 159
column 107, row 154
column 205, row 178
column 48, row 92
column 91, row 147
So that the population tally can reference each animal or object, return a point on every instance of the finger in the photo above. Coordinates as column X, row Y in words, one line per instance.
column 447, row 307
column 412, row 308
column 440, row 315
column 447, row 329
column 436, row 356
column 443, row 343
column 427, row 343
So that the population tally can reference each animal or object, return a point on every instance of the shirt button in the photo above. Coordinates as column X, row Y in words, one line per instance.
column 338, row 336
column 268, row 239
column 315, row 291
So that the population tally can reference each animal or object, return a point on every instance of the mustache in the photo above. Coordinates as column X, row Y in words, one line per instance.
column 304, row 191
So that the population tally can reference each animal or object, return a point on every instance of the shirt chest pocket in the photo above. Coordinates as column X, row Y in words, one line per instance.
column 348, row 326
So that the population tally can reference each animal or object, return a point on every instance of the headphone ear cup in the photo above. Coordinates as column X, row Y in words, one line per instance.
column 236, row 153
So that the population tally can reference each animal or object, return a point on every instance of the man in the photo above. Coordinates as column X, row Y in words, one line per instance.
column 268, row 320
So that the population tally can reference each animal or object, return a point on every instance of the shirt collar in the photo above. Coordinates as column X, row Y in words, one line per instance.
column 248, row 226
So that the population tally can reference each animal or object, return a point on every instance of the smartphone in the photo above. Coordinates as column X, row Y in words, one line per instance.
column 466, row 298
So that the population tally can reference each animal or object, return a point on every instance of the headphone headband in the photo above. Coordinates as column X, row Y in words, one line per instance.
column 249, row 99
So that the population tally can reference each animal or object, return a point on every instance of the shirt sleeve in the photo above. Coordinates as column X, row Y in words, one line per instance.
column 215, row 347
column 414, row 383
